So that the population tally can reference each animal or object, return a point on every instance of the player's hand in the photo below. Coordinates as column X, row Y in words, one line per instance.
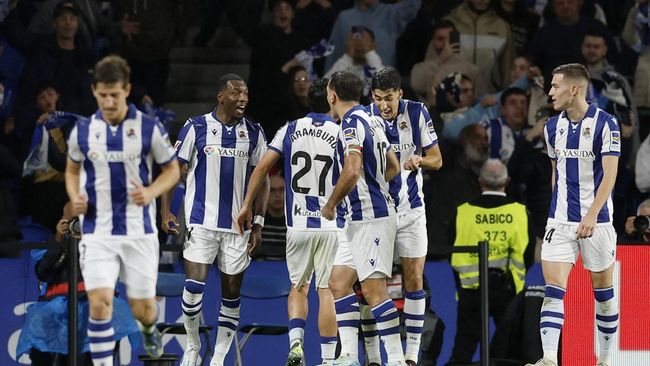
column 255, row 240
column 141, row 195
column 587, row 226
column 244, row 219
column 62, row 227
column 413, row 162
column 169, row 223
column 79, row 204
column 327, row 212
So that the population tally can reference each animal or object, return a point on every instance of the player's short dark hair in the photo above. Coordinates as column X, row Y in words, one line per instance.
column 443, row 24
column 386, row 79
column 573, row 71
column 318, row 96
column 512, row 91
column 110, row 70
column 222, row 83
column 346, row 85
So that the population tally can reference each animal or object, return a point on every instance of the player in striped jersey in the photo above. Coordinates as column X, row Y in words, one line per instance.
column 410, row 132
column 368, row 165
column 219, row 149
column 584, row 144
column 308, row 146
column 110, row 184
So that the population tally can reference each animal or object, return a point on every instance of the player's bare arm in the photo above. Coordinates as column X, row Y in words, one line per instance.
column 259, row 209
column 169, row 175
column 169, row 220
column 392, row 165
column 588, row 222
column 256, row 182
column 347, row 180
column 432, row 160
column 79, row 201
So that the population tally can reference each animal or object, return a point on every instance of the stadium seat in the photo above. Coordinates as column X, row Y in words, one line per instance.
column 171, row 285
column 260, row 287
column 33, row 232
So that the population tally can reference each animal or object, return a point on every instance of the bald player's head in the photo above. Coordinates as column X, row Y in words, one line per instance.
column 493, row 176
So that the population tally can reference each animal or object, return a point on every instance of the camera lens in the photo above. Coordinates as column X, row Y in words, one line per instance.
column 75, row 226
column 641, row 224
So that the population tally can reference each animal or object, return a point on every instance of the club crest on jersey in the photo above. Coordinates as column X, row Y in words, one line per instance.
column 586, row 133
column 242, row 135
column 208, row 150
column 131, row 133
column 403, row 125
column 214, row 131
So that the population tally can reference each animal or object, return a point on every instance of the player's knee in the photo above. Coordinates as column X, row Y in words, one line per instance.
column 100, row 307
column 413, row 282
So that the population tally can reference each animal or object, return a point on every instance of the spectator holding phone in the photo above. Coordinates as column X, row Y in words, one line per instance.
column 637, row 228
column 443, row 58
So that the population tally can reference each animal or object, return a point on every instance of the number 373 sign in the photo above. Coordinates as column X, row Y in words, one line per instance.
column 632, row 289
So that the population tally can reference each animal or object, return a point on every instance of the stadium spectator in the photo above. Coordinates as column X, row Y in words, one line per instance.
column 296, row 102
column 504, row 132
column 642, row 167
column 386, row 21
column 443, row 58
column 274, row 232
column 272, row 45
column 637, row 228
column 149, row 29
column 558, row 41
column 485, row 40
column 504, row 224
column 456, row 182
column 361, row 58
column 523, row 22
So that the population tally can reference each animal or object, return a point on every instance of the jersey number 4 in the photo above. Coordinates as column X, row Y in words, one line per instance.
column 327, row 165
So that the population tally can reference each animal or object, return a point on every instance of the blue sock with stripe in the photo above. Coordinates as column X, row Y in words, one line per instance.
column 296, row 331
column 191, row 305
column 347, row 319
column 387, row 319
column 551, row 320
column 606, row 322
column 228, row 322
column 414, row 307
column 328, row 348
column 370, row 334
column 101, row 337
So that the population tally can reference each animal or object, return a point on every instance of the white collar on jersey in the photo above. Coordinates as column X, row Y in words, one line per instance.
column 494, row 193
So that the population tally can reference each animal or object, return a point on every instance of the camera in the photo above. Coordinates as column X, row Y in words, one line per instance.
column 75, row 227
column 641, row 224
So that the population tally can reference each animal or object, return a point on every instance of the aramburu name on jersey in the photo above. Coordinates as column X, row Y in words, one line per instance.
column 214, row 150
column 299, row 211
column 317, row 133
column 575, row 153
column 112, row 156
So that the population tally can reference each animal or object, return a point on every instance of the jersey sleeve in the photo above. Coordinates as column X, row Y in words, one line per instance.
column 611, row 136
column 549, row 147
column 428, row 135
column 184, row 145
column 278, row 140
column 260, row 147
column 352, row 136
column 74, row 151
column 161, row 148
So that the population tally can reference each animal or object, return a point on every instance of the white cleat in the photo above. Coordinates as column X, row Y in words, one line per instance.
column 191, row 355
column 543, row 362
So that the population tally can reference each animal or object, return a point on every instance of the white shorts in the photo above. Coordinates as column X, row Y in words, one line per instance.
column 598, row 252
column 230, row 249
column 411, row 240
column 309, row 252
column 369, row 248
column 133, row 260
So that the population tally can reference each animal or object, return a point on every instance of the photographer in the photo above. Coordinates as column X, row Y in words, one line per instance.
column 637, row 228
column 45, row 333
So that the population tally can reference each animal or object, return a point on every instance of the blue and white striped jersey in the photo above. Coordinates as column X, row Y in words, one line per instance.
column 310, row 170
column 221, row 159
column 112, row 157
column 578, row 149
column 360, row 133
column 410, row 133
